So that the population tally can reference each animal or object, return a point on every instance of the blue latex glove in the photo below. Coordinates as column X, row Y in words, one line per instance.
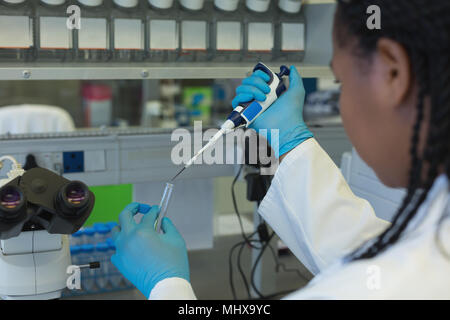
column 144, row 256
column 285, row 114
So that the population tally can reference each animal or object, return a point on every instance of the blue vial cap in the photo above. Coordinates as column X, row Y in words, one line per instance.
column 102, row 246
column 87, row 248
column 78, row 234
column 111, row 244
column 89, row 231
column 102, row 228
column 75, row 249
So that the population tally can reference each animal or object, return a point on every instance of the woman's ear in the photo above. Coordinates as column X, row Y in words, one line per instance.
column 394, row 63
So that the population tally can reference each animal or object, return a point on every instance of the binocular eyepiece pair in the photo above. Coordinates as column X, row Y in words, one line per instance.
column 44, row 200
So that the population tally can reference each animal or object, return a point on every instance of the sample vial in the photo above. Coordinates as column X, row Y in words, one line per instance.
column 76, row 238
column 101, row 255
column 290, row 31
column 16, row 16
column 87, row 274
column 115, row 277
column 163, row 31
column 54, row 41
column 92, row 41
column 259, row 30
column 164, row 205
column 128, row 30
column 227, row 31
column 88, row 235
column 102, row 232
column 195, row 20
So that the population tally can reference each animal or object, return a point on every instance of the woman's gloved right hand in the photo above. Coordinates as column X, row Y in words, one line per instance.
column 285, row 114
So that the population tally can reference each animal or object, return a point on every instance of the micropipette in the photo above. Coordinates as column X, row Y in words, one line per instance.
column 244, row 114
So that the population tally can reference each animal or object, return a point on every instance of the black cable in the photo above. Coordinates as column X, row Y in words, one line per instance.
column 283, row 266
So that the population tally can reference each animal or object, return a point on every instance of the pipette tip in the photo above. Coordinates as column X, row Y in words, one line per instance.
column 179, row 172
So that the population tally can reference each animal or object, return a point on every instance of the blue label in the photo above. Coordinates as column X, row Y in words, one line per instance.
column 252, row 111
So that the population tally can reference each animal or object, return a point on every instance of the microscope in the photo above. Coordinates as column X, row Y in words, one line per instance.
column 38, row 210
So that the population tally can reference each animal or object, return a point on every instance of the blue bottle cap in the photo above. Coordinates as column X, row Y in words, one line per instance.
column 78, row 234
column 111, row 244
column 112, row 224
column 102, row 228
column 75, row 249
column 89, row 231
column 102, row 246
column 87, row 248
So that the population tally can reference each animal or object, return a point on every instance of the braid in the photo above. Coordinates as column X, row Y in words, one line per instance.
column 423, row 28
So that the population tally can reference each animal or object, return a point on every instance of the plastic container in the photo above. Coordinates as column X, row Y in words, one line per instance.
column 128, row 30
column 163, row 30
column 87, row 275
column 18, row 43
column 102, row 232
column 116, row 279
column 88, row 235
column 75, row 254
column 227, row 31
column 76, row 238
column 289, row 31
column 92, row 41
column 101, row 255
column 259, row 30
column 54, row 41
column 195, row 17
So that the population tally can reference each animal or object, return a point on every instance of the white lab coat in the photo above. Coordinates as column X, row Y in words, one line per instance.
column 312, row 209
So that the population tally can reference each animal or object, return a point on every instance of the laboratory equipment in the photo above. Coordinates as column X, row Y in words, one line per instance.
column 244, row 114
column 289, row 31
column 259, row 30
column 17, row 17
column 102, row 231
column 164, row 204
column 92, row 40
column 163, row 29
column 195, row 20
column 128, row 30
column 38, row 208
column 54, row 41
column 101, row 274
column 227, row 39
column 87, row 275
column 88, row 235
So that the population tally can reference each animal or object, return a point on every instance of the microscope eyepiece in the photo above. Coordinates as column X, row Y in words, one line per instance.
column 73, row 198
column 12, row 201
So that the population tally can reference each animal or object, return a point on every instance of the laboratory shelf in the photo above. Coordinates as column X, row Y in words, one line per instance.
column 90, row 71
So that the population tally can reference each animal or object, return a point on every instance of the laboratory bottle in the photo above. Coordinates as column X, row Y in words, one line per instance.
column 87, row 274
column 76, row 238
column 195, row 17
column 259, row 30
column 54, row 40
column 163, row 30
column 111, row 225
column 92, row 41
column 16, row 30
column 102, row 232
column 227, row 31
column 128, row 19
column 101, row 274
column 75, row 254
column 289, row 31
column 88, row 235
column 114, row 276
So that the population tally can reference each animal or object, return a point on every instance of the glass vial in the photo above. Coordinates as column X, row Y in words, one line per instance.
column 54, row 41
column 227, row 31
column 16, row 16
column 290, row 31
column 128, row 30
column 259, row 31
column 195, row 18
column 163, row 31
column 92, row 41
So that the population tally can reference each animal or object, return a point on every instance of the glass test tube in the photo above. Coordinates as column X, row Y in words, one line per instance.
column 164, row 204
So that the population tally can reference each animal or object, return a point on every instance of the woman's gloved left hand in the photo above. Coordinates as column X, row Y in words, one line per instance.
column 145, row 256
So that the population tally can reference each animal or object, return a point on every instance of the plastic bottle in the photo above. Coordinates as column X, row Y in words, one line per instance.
column 101, row 255
column 76, row 238
column 102, row 232
column 290, row 31
column 128, row 32
column 195, row 20
column 114, row 276
column 88, row 235
column 16, row 15
column 92, row 41
column 75, row 254
column 87, row 275
column 54, row 41
column 227, row 31
column 259, row 30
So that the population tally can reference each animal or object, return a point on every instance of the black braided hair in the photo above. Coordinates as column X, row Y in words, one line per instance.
column 422, row 27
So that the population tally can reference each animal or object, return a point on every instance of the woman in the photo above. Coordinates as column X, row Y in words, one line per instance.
column 395, row 106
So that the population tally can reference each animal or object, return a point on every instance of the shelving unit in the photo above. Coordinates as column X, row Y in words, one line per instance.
column 319, row 18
